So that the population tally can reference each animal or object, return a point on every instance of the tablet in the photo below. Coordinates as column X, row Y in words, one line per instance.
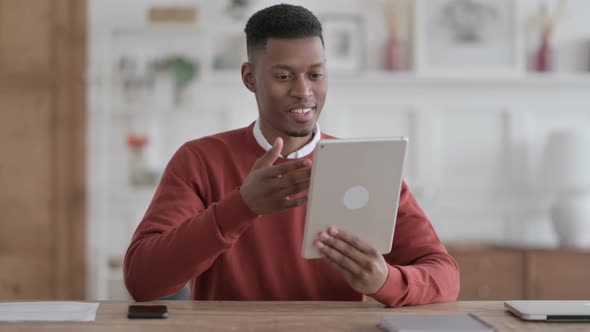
column 355, row 186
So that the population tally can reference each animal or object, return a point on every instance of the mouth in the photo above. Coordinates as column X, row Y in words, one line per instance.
column 303, row 113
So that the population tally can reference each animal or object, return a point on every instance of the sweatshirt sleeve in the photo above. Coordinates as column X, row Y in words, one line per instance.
column 420, row 269
column 179, row 237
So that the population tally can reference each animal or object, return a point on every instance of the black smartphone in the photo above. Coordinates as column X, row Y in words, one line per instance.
column 147, row 311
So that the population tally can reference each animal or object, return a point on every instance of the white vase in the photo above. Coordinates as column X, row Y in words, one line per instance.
column 571, row 219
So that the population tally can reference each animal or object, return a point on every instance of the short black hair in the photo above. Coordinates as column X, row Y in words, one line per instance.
column 280, row 21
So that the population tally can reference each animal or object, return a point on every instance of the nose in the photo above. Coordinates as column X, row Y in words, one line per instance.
column 301, row 88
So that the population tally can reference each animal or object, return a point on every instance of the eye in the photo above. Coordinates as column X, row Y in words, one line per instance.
column 283, row 77
column 316, row 76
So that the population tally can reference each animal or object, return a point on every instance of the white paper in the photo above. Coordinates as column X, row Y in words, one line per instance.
column 48, row 311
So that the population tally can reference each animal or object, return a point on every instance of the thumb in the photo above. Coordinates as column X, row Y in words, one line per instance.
column 271, row 155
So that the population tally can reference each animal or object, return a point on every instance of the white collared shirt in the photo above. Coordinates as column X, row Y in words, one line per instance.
column 305, row 150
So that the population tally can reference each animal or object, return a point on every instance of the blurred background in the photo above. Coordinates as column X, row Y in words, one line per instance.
column 97, row 95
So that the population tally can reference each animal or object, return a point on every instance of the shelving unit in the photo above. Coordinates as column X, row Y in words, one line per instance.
column 394, row 79
column 401, row 103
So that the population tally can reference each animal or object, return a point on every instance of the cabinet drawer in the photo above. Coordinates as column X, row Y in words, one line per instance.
column 558, row 275
column 493, row 274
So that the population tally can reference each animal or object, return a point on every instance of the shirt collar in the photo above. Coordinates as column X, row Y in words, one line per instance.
column 305, row 150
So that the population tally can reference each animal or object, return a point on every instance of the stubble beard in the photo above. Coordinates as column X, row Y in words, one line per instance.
column 302, row 133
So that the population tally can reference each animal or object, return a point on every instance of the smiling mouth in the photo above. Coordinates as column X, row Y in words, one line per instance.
column 302, row 110
column 303, row 113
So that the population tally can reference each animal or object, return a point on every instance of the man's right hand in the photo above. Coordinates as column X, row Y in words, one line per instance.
column 268, row 188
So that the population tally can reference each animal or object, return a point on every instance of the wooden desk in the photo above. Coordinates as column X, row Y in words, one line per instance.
column 284, row 316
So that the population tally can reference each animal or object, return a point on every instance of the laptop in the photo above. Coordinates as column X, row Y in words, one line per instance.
column 355, row 186
column 554, row 311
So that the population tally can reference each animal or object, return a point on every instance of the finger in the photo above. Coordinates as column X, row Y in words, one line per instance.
column 345, row 272
column 294, row 189
column 320, row 247
column 294, row 183
column 339, row 259
column 288, row 167
column 291, row 203
column 345, row 249
column 271, row 155
column 353, row 241
column 298, row 176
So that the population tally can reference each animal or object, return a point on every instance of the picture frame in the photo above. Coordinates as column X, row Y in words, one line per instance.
column 344, row 42
column 468, row 38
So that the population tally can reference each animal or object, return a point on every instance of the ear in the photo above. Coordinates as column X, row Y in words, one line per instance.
column 248, row 76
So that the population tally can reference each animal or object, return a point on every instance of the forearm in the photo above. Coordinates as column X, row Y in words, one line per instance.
column 420, row 269
column 434, row 278
column 159, row 263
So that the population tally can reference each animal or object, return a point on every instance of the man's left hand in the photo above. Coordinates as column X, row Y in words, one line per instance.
column 363, row 267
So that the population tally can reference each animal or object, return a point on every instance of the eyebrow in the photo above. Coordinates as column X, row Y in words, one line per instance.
column 285, row 67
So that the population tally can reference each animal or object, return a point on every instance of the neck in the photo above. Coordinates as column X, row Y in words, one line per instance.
column 290, row 143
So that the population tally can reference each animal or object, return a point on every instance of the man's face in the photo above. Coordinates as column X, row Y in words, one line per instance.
column 289, row 80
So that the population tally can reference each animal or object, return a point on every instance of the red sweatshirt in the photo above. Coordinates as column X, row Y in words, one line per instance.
column 197, row 228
